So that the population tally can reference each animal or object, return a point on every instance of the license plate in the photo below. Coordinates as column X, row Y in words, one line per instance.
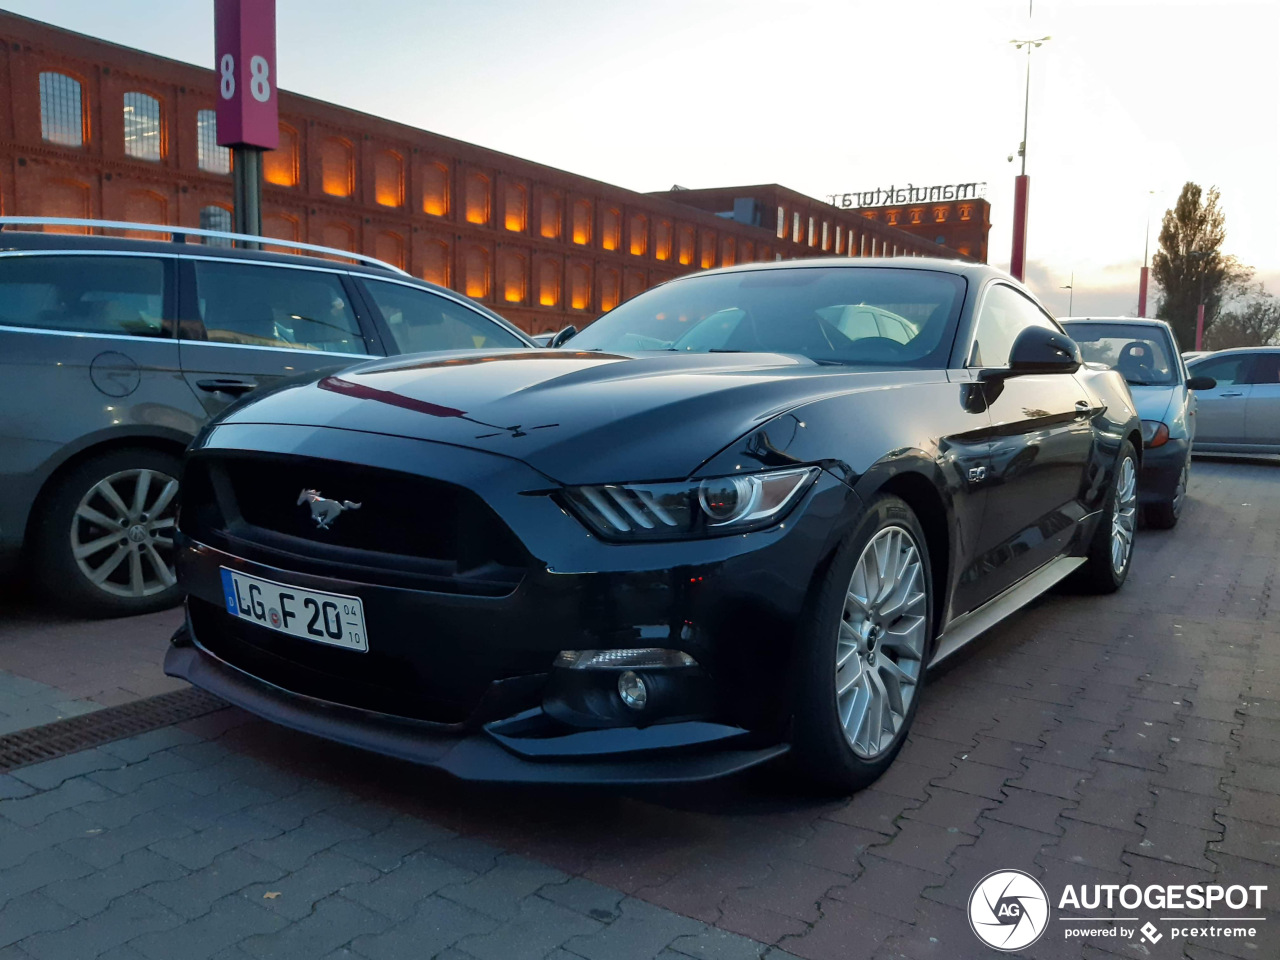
column 307, row 614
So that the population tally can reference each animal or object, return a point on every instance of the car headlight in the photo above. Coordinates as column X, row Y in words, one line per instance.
column 689, row 508
column 1154, row 433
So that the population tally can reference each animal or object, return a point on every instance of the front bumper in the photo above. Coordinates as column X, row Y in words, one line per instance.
column 1161, row 468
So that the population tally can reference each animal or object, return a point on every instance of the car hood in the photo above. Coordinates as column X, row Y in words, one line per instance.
column 1153, row 401
column 575, row 416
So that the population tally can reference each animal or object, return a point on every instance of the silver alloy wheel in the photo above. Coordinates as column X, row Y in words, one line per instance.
column 1124, row 519
column 881, row 642
column 121, row 534
column 1180, row 493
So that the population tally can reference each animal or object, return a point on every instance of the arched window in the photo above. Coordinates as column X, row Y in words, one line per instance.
column 686, row 245
column 61, row 110
column 435, row 262
column 708, row 249
column 610, row 228
column 435, row 189
column 145, row 206
column 340, row 236
column 610, row 288
column 475, row 272
column 728, row 252
column 839, row 240
column 337, row 167
column 582, row 222
column 389, row 248
column 634, row 284
column 748, row 252
column 580, row 286
column 514, row 284
column 64, row 198
column 388, row 179
column 549, row 282
column 549, row 215
column 515, row 207
column 280, row 226
column 782, row 223
column 142, row 133
column 215, row 217
column 210, row 156
column 280, row 166
column 639, row 230
column 662, row 240
column 477, row 201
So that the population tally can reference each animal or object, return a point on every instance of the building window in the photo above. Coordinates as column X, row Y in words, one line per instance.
column 727, row 252
column 639, row 230
column 280, row 226
column 662, row 240
column 388, row 179
column 61, row 110
column 280, row 166
column 634, row 284
column 610, row 289
column 748, row 252
column 214, row 217
column 549, row 283
column 813, row 233
column 513, row 280
column 580, row 286
column 389, row 248
column 891, row 217
column 826, row 235
column 782, row 223
column 915, row 213
column 435, row 189
column 68, row 199
column 582, row 222
column 708, row 249
column 966, row 211
column 549, row 215
column 839, row 239
column 337, row 167
column 142, row 134
column 610, row 228
column 515, row 207
column 686, row 245
column 477, row 199
column 209, row 156
column 340, row 236
column 766, row 252
column 475, row 272
column 145, row 206
column 435, row 262
column 939, row 214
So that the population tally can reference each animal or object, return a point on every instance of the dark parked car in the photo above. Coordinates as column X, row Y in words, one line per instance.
column 623, row 561
column 114, row 352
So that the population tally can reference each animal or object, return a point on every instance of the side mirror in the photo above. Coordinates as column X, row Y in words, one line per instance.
column 567, row 333
column 1201, row 383
column 1038, row 350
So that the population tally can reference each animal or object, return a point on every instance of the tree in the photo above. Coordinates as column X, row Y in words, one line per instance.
column 1254, row 322
column 1190, row 267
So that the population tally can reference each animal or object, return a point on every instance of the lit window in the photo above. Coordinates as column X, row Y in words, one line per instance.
column 214, row 217
column 826, row 235
column 388, row 179
column 549, row 283
column 766, row 252
column 210, row 156
column 435, row 189
column 966, row 211
column 477, row 198
column 915, row 213
column 662, row 240
column 727, row 252
column 813, row 233
column 939, row 214
column 515, row 207
column 748, row 251
column 142, row 126
column 280, row 166
column 337, row 167
column 686, row 245
column 582, row 222
column 580, row 286
column 795, row 228
column 891, row 217
column 708, row 249
column 639, row 229
column 475, row 271
column 389, row 248
column 513, row 277
column 549, row 215
column 61, row 112
column 610, row 229
column 610, row 288
column 435, row 262
column 782, row 223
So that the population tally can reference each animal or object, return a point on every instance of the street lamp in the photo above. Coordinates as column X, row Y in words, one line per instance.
column 1022, row 183
column 1071, row 297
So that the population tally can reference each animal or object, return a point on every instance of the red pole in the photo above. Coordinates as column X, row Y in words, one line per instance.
column 1142, row 292
column 1021, row 190
column 1200, row 326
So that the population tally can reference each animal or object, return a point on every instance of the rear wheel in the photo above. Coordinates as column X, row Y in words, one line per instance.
column 1164, row 516
column 1111, row 549
column 864, row 651
column 104, row 541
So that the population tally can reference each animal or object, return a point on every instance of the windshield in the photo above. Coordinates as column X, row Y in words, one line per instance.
column 890, row 316
column 1143, row 354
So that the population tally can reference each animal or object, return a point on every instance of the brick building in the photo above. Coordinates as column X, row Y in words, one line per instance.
column 94, row 129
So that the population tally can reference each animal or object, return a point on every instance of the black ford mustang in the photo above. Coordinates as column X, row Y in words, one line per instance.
column 738, row 516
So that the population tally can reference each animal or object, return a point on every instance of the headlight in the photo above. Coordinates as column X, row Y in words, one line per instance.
column 1154, row 433
column 690, row 508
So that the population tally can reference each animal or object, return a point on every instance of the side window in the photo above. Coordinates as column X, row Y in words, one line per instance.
column 1266, row 368
column 1005, row 314
column 420, row 320
column 84, row 294
column 267, row 306
column 1226, row 370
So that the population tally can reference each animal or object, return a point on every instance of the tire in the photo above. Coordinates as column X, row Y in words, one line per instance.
column 828, row 755
column 94, row 504
column 1164, row 516
column 1100, row 573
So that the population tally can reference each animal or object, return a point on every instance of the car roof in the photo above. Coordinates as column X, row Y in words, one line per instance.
column 965, row 268
column 1230, row 350
column 1138, row 321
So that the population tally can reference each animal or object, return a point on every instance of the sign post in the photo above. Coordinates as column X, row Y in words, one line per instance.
column 248, row 104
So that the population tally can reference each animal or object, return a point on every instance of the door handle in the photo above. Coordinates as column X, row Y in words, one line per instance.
column 227, row 385
column 1234, row 393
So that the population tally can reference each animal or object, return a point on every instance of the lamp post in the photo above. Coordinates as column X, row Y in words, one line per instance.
column 1146, row 273
column 1071, row 295
column 1022, row 183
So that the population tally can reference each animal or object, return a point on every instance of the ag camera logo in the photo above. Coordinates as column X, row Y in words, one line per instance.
column 1008, row 910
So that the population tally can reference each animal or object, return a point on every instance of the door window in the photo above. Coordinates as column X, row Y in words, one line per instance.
column 1266, row 368
column 1005, row 314
column 84, row 294
column 420, row 320
column 267, row 306
column 1226, row 370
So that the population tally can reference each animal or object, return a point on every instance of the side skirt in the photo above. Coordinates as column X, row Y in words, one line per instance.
column 968, row 625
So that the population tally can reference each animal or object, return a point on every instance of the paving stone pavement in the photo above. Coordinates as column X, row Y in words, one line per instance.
column 1125, row 739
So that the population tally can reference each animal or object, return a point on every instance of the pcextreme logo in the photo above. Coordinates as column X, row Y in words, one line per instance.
column 1008, row 910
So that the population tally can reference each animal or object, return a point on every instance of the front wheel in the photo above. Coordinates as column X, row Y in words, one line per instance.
column 864, row 651
column 1164, row 516
column 1111, row 550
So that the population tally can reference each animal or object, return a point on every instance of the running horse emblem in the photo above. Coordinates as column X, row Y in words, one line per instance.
column 324, row 511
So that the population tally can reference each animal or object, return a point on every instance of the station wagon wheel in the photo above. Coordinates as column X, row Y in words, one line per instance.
column 1110, row 552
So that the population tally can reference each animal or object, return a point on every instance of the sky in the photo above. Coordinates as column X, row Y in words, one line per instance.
column 1128, row 100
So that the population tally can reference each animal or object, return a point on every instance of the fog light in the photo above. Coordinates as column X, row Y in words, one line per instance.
column 644, row 657
column 632, row 690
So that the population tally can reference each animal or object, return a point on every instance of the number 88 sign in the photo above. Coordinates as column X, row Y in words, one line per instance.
column 245, row 55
